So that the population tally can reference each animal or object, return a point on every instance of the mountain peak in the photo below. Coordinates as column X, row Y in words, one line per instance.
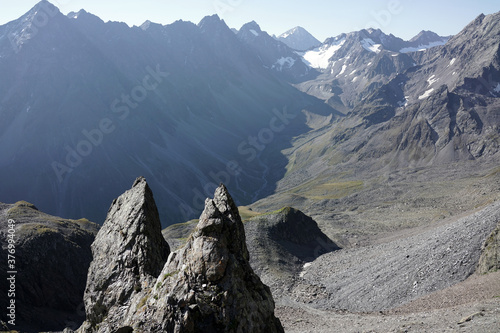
column 221, row 216
column 27, row 26
column 75, row 15
column 44, row 6
column 83, row 15
column 299, row 39
column 210, row 20
column 129, row 251
column 373, row 31
column 425, row 34
column 146, row 25
column 214, row 25
column 250, row 30
column 251, row 25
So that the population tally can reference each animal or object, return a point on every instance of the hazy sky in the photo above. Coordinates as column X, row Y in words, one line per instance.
column 322, row 18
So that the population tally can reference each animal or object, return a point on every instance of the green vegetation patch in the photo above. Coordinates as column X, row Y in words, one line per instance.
column 246, row 213
column 38, row 229
column 284, row 210
column 165, row 276
column 334, row 190
column 22, row 208
column 143, row 301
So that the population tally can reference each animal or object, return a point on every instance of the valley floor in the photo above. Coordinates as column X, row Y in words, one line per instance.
column 470, row 306
column 421, row 280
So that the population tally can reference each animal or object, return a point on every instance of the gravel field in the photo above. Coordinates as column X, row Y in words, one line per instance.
column 423, row 282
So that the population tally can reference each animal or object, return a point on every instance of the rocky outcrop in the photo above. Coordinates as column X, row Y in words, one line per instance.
column 282, row 242
column 129, row 253
column 286, row 238
column 205, row 286
column 52, row 256
column 490, row 253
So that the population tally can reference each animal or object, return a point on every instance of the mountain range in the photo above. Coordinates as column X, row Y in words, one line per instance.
column 364, row 171
column 87, row 106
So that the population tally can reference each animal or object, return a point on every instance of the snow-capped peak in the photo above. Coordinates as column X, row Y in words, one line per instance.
column 250, row 30
column 298, row 39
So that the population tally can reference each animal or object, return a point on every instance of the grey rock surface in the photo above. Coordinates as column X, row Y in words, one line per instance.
column 128, row 254
column 383, row 276
column 206, row 286
column 490, row 255
column 280, row 243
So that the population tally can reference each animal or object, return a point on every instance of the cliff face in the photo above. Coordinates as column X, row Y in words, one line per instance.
column 128, row 254
column 52, row 256
column 206, row 286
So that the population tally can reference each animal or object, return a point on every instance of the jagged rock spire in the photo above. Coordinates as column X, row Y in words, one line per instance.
column 206, row 286
column 128, row 254
column 210, row 282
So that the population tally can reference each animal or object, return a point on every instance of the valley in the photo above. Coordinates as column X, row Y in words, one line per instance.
column 364, row 171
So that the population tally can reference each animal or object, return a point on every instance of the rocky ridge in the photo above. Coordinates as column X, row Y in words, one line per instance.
column 205, row 286
column 275, row 54
column 436, row 119
column 52, row 257
column 281, row 243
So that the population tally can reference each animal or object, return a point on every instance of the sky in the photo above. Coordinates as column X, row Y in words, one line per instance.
column 322, row 18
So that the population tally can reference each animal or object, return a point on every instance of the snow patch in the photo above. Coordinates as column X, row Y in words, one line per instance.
column 404, row 102
column 451, row 62
column 254, row 32
column 354, row 71
column 369, row 45
column 497, row 89
column 422, row 47
column 355, row 79
column 432, row 79
column 320, row 56
column 283, row 63
column 343, row 69
column 426, row 94
column 307, row 264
